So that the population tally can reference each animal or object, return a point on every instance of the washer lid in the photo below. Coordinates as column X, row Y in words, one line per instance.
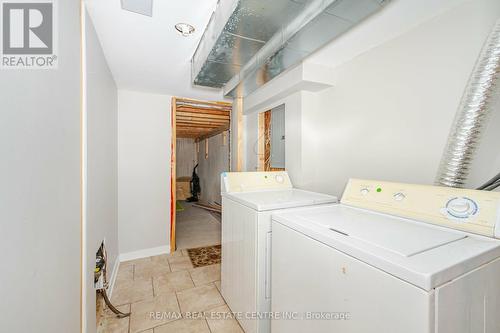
column 270, row 199
column 422, row 254
column 385, row 232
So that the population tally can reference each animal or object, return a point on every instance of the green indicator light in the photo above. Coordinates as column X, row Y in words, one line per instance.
column 379, row 189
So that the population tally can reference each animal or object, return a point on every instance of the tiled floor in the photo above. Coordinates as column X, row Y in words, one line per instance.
column 196, row 227
column 166, row 294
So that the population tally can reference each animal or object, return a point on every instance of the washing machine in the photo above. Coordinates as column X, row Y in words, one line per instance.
column 391, row 258
column 248, row 200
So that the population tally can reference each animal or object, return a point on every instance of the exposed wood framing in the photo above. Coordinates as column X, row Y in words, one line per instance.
column 201, row 119
column 267, row 141
column 261, row 142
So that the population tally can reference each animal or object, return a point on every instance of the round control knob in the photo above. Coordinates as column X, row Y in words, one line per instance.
column 280, row 179
column 364, row 191
column 461, row 207
column 399, row 196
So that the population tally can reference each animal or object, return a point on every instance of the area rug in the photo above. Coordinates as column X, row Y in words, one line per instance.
column 178, row 207
column 204, row 256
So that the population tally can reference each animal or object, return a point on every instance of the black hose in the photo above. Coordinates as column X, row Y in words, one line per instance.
column 489, row 183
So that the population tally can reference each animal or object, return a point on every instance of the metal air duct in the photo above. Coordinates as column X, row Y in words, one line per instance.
column 249, row 42
column 475, row 106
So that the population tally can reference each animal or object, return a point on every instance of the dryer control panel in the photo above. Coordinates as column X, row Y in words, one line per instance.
column 254, row 181
column 467, row 210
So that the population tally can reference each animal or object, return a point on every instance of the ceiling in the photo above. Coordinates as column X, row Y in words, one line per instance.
column 201, row 120
column 146, row 53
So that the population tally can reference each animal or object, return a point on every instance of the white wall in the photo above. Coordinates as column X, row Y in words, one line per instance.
column 390, row 110
column 102, row 164
column 209, row 169
column 40, row 189
column 144, row 146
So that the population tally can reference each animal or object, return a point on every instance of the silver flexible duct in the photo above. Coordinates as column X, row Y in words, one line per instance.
column 472, row 114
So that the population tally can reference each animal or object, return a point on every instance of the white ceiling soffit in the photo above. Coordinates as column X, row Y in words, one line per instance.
column 249, row 42
column 143, row 7
column 146, row 53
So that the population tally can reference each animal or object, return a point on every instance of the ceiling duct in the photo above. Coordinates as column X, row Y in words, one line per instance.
column 249, row 42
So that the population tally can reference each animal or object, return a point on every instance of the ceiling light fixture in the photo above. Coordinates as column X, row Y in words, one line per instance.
column 184, row 29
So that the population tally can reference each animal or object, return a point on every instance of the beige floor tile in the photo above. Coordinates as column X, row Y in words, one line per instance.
column 200, row 298
column 171, row 282
column 185, row 252
column 135, row 261
column 180, row 263
column 111, row 324
column 221, row 321
column 163, row 258
column 149, row 269
column 178, row 253
column 205, row 274
column 165, row 306
column 125, row 273
column 132, row 291
column 217, row 285
column 184, row 326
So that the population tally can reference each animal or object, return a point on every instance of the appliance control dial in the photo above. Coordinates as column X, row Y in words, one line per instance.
column 364, row 191
column 280, row 179
column 461, row 207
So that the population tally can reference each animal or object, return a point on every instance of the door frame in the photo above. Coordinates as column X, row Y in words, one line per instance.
column 173, row 192
column 173, row 157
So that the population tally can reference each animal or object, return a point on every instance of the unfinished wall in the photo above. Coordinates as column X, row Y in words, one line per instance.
column 389, row 113
column 101, row 164
column 185, row 157
column 210, row 168
column 144, row 145
column 40, row 189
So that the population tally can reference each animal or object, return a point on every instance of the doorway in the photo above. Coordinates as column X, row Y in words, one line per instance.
column 200, row 153
column 272, row 139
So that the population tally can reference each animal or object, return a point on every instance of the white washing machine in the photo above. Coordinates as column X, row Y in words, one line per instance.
column 391, row 258
column 248, row 200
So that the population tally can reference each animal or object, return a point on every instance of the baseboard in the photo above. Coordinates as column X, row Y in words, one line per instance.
column 114, row 274
column 155, row 251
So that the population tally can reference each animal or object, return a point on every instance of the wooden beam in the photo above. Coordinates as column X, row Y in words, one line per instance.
column 202, row 115
column 189, row 125
column 194, row 101
column 205, row 111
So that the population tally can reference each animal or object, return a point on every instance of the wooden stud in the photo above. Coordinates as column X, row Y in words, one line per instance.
column 267, row 141
column 224, row 138
column 206, row 149
column 173, row 192
column 261, row 142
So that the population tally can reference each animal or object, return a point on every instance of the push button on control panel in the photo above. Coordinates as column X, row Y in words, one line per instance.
column 280, row 179
column 399, row 196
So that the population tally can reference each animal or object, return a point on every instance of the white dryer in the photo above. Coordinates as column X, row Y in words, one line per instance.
column 391, row 258
column 248, row 200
